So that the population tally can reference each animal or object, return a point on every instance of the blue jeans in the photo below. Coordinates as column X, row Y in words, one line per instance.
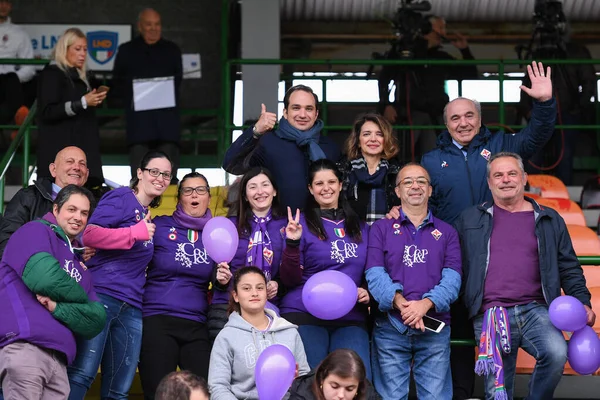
column 117, row 347
column 428, row 353
column 530, row 329
column 320, row 340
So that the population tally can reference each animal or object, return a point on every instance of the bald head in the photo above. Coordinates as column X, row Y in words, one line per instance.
column 149, row 25
column 70, row 167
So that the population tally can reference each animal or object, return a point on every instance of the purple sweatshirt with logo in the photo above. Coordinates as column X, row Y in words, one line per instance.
column 119, row 272
column 338, row 252
column 23, row 317
column 179, row 273
column 414, row 257
column 276, row 229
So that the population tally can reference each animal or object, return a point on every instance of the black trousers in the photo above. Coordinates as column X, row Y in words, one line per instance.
column 462, row 358
column 168, row 342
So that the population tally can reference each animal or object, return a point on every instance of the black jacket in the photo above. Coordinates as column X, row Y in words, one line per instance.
column 302, row 388
column 559, row 267
column 28, row 204
column 283, row 158
column 138, row 60
column 57, row 129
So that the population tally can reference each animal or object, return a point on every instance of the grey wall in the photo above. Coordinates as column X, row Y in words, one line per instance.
column 193, row 24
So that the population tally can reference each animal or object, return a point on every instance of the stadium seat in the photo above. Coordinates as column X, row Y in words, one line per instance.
column 549, row 185
column 585, row 241
column 567, row 209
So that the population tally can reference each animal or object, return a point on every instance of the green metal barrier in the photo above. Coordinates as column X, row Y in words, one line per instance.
column 500, row 66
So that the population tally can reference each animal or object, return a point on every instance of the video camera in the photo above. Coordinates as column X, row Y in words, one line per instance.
column 409, row 25
column 550, row 25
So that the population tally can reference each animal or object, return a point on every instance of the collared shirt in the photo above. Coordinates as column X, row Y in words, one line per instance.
column 460, row 147
column 55, row 190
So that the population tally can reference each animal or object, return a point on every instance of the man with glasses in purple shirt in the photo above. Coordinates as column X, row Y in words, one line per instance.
column 413, row 270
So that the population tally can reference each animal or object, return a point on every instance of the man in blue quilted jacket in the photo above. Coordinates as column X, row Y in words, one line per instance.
column 458, row 175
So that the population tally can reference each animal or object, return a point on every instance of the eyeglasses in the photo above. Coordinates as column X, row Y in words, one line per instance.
column 156, row 173
column 187, row 191
column 408, row 182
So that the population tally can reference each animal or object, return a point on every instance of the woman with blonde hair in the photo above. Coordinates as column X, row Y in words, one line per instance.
column 66, row 107
column 370, row 170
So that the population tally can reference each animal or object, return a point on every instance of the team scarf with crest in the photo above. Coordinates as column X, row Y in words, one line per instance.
column 260, row 250
column 495, row 339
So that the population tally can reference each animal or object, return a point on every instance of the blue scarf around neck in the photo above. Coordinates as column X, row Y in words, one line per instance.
column 309, row 137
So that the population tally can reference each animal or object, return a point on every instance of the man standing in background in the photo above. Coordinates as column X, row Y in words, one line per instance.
column 145, row 57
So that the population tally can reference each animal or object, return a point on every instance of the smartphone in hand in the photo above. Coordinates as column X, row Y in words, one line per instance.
column 102, row 89
column 432, row 324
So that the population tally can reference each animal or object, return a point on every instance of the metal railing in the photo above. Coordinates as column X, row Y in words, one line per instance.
column 499, row 64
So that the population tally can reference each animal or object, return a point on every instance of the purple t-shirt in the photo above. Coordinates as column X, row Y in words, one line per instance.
column 179, row 273
column 23, row 317
column 338, row 252
column 414, row 257
column 513, row 275
column 276, row 229
column 121, row 273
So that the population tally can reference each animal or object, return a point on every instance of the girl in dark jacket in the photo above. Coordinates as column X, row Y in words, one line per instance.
column 370, row 170
column 66, row 106
column 341, row 375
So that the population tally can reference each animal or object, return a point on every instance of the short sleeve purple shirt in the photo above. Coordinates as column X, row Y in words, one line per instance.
column 414, row 257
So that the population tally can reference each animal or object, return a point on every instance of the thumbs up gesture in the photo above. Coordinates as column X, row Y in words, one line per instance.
column 266, row 122
column 149, row 225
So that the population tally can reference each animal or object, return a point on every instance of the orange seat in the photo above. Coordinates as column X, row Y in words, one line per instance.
column 534, row 196
column 568, row 209
column 549, row 185
column 585, row 241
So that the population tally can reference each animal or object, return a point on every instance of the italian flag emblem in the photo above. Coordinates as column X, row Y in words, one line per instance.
column 339, row 232
column 172, row 236
column 192, row 236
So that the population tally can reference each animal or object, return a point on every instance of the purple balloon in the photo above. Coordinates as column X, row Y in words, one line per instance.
column 220, row 239
column 329, row 294
column 584, row 351
column 272, row 307
column 567, row 314
column 274, row 372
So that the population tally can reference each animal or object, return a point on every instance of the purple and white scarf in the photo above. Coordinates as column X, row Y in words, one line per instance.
column 495, row 340
column 260, row 250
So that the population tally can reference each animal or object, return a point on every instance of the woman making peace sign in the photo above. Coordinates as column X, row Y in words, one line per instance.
column 329, row 236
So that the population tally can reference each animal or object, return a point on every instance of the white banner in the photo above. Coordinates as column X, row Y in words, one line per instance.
column 103, row 41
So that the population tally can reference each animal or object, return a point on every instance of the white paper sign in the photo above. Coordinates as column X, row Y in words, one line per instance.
column 192, row 68
column 153, row 93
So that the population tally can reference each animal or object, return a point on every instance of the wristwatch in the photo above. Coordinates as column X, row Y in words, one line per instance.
column 255, row 133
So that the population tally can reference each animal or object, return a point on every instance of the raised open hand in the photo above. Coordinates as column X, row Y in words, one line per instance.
column 293, row 230
column 541, row 83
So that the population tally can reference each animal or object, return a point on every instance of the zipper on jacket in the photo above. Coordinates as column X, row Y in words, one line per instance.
column 540, row 257
column 469, row 178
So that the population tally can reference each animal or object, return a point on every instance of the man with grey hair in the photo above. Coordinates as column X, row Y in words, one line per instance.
column 457, row 169
column 145, row 57
column 521, row 274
